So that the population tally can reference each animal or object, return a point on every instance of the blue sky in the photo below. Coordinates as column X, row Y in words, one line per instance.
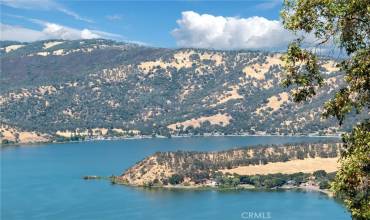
column 207, row 24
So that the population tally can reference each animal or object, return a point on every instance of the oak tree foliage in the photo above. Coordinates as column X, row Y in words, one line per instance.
column 345, row 26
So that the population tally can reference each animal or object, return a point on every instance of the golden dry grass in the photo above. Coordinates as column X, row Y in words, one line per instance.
column 220, row 119
column 308, row 165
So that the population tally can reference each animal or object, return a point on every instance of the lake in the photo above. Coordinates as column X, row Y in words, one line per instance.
column 45, row 182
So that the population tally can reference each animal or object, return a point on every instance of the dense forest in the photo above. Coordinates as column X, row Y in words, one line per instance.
column 68, row 90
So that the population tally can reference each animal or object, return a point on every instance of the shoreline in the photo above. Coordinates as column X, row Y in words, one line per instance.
column 246, row 187
column 139, row 137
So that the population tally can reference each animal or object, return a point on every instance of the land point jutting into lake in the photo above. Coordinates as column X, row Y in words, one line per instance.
column 301, row 165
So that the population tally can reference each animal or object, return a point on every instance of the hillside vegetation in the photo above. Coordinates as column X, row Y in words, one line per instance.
column 71, row 90
column 199, row 167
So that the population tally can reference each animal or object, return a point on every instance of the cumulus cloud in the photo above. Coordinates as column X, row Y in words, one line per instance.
column 43, row 5
column 209, row 31
column 59, row 31
column 50, row 31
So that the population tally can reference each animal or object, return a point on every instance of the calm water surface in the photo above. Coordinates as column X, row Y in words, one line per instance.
column 44, row 182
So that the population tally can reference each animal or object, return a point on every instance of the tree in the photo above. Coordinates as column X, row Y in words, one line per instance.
column 235, row 181
column 324, row 184
column 345, row 24
column 319, row 174
column 352, row 179
column 176, row 179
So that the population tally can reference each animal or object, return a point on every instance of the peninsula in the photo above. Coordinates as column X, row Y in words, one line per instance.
column 306, row 165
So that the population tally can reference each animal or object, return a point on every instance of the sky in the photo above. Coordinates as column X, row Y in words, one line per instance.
column 203, row 24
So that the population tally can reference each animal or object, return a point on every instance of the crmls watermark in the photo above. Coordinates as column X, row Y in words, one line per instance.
column 256, row 215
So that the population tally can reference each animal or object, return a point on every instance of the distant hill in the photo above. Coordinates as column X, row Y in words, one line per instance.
column 61, row 89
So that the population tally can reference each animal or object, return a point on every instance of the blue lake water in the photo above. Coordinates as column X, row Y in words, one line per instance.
column 44, row 182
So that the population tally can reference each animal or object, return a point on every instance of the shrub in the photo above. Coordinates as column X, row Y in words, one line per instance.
column 176, row 179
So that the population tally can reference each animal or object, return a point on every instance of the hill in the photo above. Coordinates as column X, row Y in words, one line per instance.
column 199, row 168
column 70, row 90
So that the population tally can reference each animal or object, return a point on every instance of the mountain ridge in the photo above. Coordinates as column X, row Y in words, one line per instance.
column 101, row 88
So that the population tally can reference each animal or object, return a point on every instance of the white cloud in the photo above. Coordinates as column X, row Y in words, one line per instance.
column 29, row 4
column 18, row 33
column 74, row 14
column 113, row 17
column 209, row 31
column 43, row 5
column 50, row 31
column 67, row 33
column 269, row 4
